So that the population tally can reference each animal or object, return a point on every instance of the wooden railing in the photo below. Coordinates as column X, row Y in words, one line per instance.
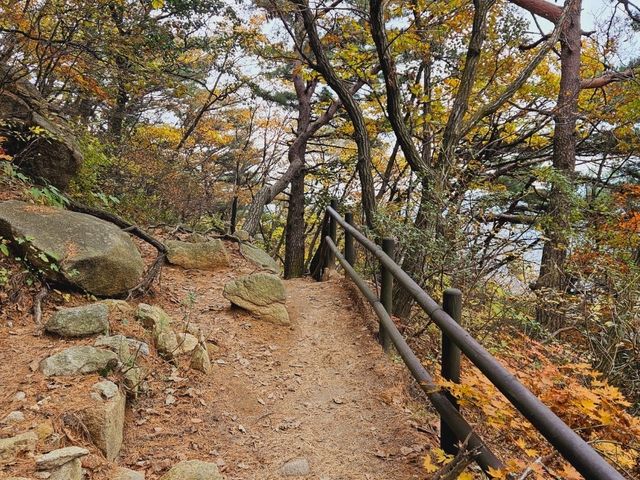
column 455, row 341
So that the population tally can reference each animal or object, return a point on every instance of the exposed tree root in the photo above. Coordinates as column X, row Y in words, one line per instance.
column 37, row 303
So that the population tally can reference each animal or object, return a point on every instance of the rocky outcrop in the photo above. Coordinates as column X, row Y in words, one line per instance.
column 262, row 294
column 79, row 321
column 73, row 248
column 79, row 360
column 38, row 139
column 193, row 470
column 104, row 419
column 208, row 255
column 259, row 257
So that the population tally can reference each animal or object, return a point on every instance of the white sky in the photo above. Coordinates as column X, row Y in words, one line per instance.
column 597, row 13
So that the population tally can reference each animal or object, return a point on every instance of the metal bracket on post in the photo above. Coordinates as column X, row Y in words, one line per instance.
column 386, row 291
column 451, row 357
column 349, row 247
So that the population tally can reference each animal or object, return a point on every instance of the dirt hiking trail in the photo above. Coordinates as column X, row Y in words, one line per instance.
column 321, row 390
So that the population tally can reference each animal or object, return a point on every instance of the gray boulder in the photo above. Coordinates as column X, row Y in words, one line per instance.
column 72, row 248
column 259, row 257
column 78, row 360
column 262, row 294
column 208, row 255
column 193, row 470
column 51, row 155
column 79, row 321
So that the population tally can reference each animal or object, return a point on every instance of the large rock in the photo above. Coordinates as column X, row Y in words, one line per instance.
column 52, row 154
column 104, row 418
column 11, row 447
column 259, row 257
column 262, row 294
column 73, row 248
column 193, row 470
column 201, row 255
column 78, row 360
column 79, row 321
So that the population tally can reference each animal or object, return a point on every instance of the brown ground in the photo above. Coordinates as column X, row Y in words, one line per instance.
column 320, row 389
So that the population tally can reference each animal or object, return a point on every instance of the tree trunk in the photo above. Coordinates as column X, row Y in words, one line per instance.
column 553, row 280
column 361, row 136
column 294, row 241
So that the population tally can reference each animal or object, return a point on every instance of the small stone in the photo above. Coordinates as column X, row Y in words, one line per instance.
column 186, row 343
column 79, row 321
column 170, row 400
column 242, row 235
column 11, row 447
column 57, row 458
column 200, row 359
column 152, row 316
column 297, row 467
column 44, row 429
column 20, row 396
column 127, row 474
column 166, row 341
column 193, row 470
column 13, row 417
column 119, row 310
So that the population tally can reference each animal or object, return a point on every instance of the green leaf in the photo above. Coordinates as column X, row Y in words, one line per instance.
column 43, row 256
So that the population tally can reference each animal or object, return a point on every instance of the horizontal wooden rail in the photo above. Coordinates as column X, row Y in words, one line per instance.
column 570, row 445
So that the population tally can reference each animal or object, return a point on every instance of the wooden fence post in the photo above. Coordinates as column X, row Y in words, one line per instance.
column 333, row 233
column 451, row 357
column 386, row 292
column 349, row 247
